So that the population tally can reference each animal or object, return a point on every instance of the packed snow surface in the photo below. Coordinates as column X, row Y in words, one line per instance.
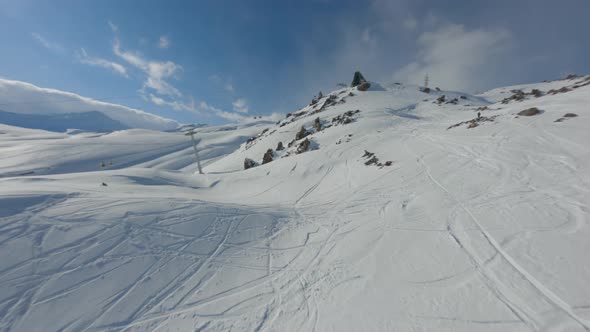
column 469, row 229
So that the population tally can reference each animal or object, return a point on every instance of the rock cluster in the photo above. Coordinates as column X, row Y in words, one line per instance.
column 345, row 118
column 474, row 122
column 373, row 160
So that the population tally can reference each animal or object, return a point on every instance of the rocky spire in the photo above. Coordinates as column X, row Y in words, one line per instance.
column 358, row 79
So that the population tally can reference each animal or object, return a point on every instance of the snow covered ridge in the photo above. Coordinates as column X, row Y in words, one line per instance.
column 479, row 223
column 24, row 98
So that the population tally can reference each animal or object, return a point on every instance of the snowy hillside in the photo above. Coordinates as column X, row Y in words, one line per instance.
column 395, row 210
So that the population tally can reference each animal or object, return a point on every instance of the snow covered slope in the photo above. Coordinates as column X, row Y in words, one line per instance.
column 477, row 224
column 36, row 152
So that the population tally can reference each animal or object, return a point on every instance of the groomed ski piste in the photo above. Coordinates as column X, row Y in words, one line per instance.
column 483, row 226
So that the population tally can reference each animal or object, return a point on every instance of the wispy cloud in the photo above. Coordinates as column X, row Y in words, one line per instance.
column 84, row 58
column 157, row 72
column 113, row 26
column 158, row 89
column 177, row 105
column 240, row 105
column 163, row 42
column 52, row 46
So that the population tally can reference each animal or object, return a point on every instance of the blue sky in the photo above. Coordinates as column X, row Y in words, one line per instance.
column 220, row 61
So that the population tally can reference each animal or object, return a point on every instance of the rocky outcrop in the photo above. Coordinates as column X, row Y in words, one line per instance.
column 363, row 86
column 373, row 160
column 268, row 156
column 317, row 124
column 530, row 112
column 249, row 163
column 474, row 122
column 280, row 146
column 304, row 146
column 302, row 133
column 345, row 118
column 560, row 90
column 357, row 79
column 566, row 116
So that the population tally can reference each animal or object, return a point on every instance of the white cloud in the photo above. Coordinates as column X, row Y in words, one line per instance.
column 455, row 58
column 240, row 105
column 84, row 58
column 157, row 72
column 158, row 90
column 52, row 46
column 176, row 105
column 237, row 117
column 164, row 42
column 113, row 26
column 26, row 98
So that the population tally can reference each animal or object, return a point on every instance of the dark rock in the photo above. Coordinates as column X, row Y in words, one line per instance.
column 372, row 161
column 571, row 76
column 249, row 163
column 537, row 93
column 463, row 97
column 441, row 99
column 357, row 79
column 317, row 124
column 363, row 86
column 104, row 184
column 331, row 100
column 368, row 154
column 268, row 157
column 280, row 146
column 561, row 90
column 474, row 122
column 345, row 118
column 304, row 146
column 570, row 115
column 425, row 90
column 437, row 88
column 530, row 112
column 517, row 95
column 301, row 133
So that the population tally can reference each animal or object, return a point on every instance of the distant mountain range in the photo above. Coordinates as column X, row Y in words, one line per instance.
column 61, row 122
